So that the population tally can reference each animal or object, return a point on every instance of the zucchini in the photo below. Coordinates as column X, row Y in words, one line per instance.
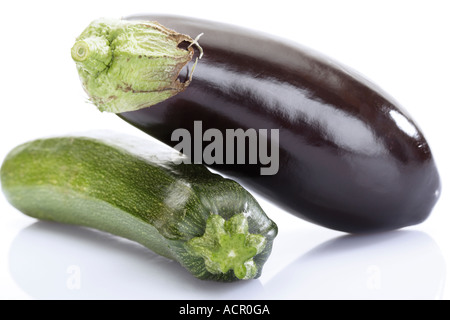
column 135, row 189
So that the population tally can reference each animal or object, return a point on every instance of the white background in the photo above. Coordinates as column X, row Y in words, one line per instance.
column 403, row 46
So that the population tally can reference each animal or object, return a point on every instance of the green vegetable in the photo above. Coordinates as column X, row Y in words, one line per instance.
column 134, row 189
column 127, row 65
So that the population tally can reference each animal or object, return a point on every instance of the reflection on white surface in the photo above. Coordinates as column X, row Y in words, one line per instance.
column 55, row 261
column 395, row 265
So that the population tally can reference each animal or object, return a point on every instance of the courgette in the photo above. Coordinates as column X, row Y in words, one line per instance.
column 136, row 189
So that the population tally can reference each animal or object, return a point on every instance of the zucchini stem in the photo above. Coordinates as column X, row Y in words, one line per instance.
column 227, row 245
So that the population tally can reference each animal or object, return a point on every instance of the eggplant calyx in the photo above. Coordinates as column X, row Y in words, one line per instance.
column 126, row 66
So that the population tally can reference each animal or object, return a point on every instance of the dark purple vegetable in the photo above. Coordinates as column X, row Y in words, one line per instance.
column 350, row 158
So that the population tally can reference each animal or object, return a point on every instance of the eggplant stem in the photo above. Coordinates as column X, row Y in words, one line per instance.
column 200, row 49
column 195, row 42
column 193, row 68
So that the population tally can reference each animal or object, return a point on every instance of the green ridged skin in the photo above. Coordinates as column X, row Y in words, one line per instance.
column 132, row 188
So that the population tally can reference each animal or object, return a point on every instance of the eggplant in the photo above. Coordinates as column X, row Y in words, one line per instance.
column 350, row 157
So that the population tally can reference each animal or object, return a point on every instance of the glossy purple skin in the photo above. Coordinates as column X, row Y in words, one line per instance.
column 350, row 158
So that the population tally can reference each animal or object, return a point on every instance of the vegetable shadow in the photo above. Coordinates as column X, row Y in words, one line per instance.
column 397, row 265
column 50, row 260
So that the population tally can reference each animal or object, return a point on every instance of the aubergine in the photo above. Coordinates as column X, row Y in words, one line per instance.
column 350, row 158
